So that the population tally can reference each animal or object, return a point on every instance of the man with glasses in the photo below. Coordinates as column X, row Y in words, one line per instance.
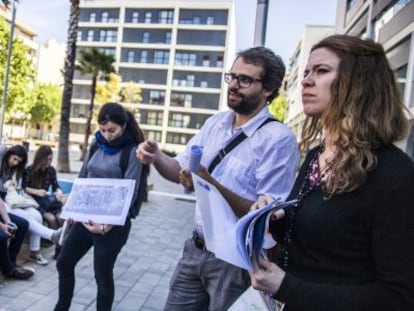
column 264, row 162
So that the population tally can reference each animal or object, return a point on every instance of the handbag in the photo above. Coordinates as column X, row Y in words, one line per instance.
column 48, row 203
column 16, row 198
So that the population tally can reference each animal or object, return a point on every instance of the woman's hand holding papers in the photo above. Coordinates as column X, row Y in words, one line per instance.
column 96, row 228
column 264, row 200
column 266, row 276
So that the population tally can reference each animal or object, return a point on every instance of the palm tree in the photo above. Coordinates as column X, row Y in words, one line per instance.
column 63, row 151
column 97, row 64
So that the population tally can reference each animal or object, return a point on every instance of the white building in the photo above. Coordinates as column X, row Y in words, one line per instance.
column 175, row 50
column 50, row 60
column 297, row 62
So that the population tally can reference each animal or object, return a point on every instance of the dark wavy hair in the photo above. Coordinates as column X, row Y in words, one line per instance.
column 272, row 66
column 366, row 111
column 116, row 113
column 6, row 170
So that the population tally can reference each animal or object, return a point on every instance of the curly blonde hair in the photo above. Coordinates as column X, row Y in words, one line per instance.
column 366, row 111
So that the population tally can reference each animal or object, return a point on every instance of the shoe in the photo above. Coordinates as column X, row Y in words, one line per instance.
column 55, row 238
column 20, row 274
column 38, row 258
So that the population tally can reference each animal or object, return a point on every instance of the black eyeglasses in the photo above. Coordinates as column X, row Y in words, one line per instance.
column 243, row 80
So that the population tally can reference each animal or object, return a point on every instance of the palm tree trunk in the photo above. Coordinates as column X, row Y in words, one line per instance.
column 63, row 164
column 89, row 117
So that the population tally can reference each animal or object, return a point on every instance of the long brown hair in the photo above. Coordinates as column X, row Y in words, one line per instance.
column 366, row 111
column 38, row 169
column 6, row 170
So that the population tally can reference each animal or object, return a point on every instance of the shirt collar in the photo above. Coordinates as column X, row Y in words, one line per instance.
column 253, row 124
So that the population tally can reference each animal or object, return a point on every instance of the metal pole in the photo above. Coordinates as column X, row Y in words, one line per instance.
column 261, row 22
column 6, row 74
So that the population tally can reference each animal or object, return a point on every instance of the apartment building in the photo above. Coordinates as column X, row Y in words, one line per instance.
column 176, row 51
column 390, row 22
column 297, row 63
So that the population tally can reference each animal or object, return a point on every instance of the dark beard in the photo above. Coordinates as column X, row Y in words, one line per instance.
column 246, row 106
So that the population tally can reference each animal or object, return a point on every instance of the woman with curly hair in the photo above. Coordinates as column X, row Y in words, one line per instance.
column 348, row 241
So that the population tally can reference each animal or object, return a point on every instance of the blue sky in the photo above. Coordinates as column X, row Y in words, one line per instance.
column 286, row 20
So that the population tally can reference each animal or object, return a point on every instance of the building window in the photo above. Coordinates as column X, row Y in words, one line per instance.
column 148, row 17
column 108, row 51
column 401, row 74
column 190, row 80
column 185, row 59
column 154, row 118
column 79, row 35
column 156, row 97
column 350, row 4
column 107, row 36
column 144, row 57
column 196, row 20
column 104, row 17
column 210, row 20
column 181, row 100
column 179, row 120
column 92, row 17
column 206, row 61
column 155, row 135
column 219, row 62
column 90, row 35
column 179, row 139
column 135, row 17
column 145, row 37
column 168, row 37
column 204, row 84
column 131, row 56
column 165, row 17
column 161, row 57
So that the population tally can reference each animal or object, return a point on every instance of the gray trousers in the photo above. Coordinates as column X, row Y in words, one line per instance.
column 203, row 282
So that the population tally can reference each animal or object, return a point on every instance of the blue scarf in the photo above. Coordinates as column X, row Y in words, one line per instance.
column 115, row 145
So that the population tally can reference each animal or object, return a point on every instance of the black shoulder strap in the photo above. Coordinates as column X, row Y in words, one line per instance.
column 231, row 145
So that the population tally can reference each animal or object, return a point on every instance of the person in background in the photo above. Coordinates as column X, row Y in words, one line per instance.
column 12, row 232
column 349, row 240
column 264, row 163
column 118, row 130
column 12, row 167
column 37, row 180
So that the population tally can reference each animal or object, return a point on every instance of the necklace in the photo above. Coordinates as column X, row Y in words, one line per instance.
column 313, row 178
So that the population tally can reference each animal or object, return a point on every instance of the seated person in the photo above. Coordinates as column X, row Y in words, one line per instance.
column 37, row 179
column 12, row 228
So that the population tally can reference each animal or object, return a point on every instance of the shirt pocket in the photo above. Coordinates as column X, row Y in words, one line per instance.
column 238, row 175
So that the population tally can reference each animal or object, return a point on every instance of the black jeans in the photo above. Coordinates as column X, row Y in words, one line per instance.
column 106, row 250
column 9, row 252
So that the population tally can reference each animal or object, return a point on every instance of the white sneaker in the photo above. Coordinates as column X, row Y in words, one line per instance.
column 38, row 258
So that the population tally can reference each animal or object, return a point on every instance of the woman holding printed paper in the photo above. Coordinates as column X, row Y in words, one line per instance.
column 118, row 131
column 349, row 241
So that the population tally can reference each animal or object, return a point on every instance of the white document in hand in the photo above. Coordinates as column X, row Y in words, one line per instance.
column 231, row 239
column 219, row 223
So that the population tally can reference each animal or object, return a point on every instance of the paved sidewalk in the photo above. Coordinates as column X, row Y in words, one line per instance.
column 143, row 268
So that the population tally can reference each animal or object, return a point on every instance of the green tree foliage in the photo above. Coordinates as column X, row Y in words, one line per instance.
column 46, row 103
column 109, row 91
column 278, row 107
column 131, row 93
column 21, row 75
column 99, row 65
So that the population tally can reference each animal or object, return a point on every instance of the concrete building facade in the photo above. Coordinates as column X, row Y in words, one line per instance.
column 391, row 23
column 297, row 63
column 176, row 51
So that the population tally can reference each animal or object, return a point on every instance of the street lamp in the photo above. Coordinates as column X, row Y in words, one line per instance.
column 9, row 52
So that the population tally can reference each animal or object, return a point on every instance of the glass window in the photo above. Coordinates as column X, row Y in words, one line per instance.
column 165, row 17
column 210, row 20
column 135, row 17
column 105, row 17
column 79, row 38
column 92, row 17
column 144, row 56
column 161, row 57
column 196, row 20
column 148, row 17
column 131, row 56
column 90, row 35
column 145, row 37
column 156, row 97
column 168, row 37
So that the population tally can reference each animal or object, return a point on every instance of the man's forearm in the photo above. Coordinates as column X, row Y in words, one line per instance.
column 167, row 167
